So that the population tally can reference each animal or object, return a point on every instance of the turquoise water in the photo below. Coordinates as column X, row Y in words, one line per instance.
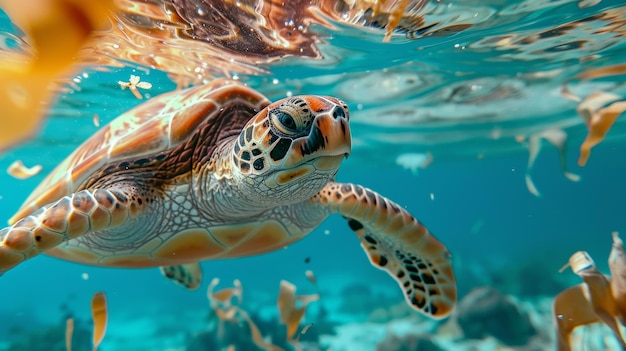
column 463, row 97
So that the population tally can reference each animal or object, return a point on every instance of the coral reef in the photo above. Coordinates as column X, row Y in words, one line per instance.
column 487, row 312
column 360, row 299
column 524, row 279
column 220, row 335
column 231, row 325
column 408, row 342
column 395, row 311
column 52, row 338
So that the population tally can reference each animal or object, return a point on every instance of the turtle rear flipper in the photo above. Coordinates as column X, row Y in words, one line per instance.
column 396, row 242
column 68, row 218
column 187, row 275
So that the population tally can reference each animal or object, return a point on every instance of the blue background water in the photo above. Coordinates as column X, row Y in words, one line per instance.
column 480, row 208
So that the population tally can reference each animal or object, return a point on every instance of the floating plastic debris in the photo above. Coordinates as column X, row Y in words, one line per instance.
column 56, row 31
column 599, row 124
column 99, row 316
column 133, row 84
column 598, row 299
column 19, row 171
column 225, row 295
column 414, row 161
column 617, row 266
column 588, row 3
column 556, row 137
column 311, row 277
column 256, row 335
column 221, row 303
column 69, row 332
column 186, row 275
column 290, row 315
column 598, row 118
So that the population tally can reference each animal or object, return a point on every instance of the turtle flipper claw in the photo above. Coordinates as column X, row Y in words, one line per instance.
column 186, row 275
column 397, row 243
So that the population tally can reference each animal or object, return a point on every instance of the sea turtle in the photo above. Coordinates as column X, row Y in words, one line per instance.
column 218, row 171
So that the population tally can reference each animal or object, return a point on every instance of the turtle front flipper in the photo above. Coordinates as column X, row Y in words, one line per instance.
column 187, row 275
column 70, row 217
column 397, row 242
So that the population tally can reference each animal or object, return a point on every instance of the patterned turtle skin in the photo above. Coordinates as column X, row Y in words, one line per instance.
column 218, row 171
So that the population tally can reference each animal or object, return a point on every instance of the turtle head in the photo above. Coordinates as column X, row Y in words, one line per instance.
column 294, row 146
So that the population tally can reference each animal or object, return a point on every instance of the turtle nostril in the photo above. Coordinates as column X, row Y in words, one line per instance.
column 338, row 112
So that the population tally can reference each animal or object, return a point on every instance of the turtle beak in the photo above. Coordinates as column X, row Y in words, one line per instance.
column 329, row 137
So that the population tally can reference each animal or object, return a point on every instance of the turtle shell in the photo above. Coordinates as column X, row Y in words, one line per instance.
column 151, row 128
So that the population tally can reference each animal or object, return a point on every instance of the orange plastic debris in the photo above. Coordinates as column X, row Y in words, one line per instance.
column 69, row 331
column 225, row 295
column 305, row 328
column 556, row 137
column 570, row 310
column 19, row 171
column 290, row 315
column 394, row 16
column 311, row 277
column 617, row 266
column 598, row 299
column 99, row 315
column 134, row 83
column 603, row 72
column 598, row 126
column 221, row 302
column 598, row 119
column 568, row 94
column 56, row 29
column 228, row 314
column 257, row 338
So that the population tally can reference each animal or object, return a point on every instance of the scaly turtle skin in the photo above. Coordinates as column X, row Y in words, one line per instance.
column 218, row 171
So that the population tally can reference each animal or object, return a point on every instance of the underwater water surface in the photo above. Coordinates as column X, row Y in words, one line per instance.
column 444, row 121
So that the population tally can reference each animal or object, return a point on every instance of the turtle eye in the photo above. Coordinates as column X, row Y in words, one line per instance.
column 292, row 118
column 284, row 122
